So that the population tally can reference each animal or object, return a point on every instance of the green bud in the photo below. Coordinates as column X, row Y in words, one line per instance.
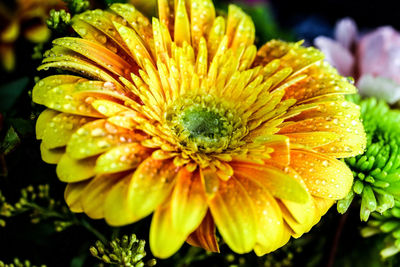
column 151, row 262
column 93, row 251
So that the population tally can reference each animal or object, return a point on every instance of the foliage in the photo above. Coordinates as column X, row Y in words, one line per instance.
column 377, row 171
column 127, row 251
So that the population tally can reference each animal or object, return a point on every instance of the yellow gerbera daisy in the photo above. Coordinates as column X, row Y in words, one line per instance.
column 183, row 117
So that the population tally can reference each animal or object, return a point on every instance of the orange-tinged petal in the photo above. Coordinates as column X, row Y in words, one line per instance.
column 313, row 139
column 322, row 80
column 143, row 192
column 324, row 176
column 71, row 62
column 97, row 53
column 72, row 170
column 351, row 138
column 188, row 202
column 165, row 239
column 267, row 212
column 94, row 195
column 166, row 14
column 233, row 212
column 210, row 181
column 72, row 195
column 279, row 183
column 204, row 236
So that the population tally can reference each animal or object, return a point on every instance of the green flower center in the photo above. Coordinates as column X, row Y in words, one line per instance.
column 202, row 124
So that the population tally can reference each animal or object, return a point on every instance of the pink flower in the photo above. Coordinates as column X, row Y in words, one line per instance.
column 372, row 59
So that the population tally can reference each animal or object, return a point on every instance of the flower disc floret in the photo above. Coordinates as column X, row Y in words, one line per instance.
column 202, row 124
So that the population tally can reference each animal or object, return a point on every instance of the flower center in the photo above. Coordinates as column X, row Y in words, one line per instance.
column 202, row 124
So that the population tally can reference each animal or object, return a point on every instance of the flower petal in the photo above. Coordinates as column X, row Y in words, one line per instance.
column 232, row 210
column 97, row 53
column 142, row 193
column 165, row 239
column 51, row 156
column 39, row 93
column 60, row 129
column 240, row 28
column 121, row 158
column 70, row 170
column 204, row 236
column 72, row 195
column 351, row 137
column 44, row 118
column 188, row 202
column 324, row 176
column 97, row 137
column 268, row 215
column 279, row 183
column 94, row 195
column 337, row 55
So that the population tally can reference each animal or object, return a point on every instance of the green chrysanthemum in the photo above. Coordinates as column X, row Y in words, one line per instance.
column 387, row 223
column 377, row 171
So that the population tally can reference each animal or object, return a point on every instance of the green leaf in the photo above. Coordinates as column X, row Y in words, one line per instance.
column 10, row 92
column 11, row 140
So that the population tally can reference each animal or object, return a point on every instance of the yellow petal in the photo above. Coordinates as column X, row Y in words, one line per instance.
column 60, row 129
column 51, row 156
column 97, row 137
column 234, row 216
column 70, row 170
column 44, row 118
column 268, row 215
column 204, row 236
column 182, row 24
column 136, row 19
column 72, row 195
column 121, row 158
column 140, row 195
column 350, row 133
column 280, row 184
column 188, row 202
column 324, row 176
column 94, row 195
column 165, row 240
column 97, row 53
column 202, row 15
column 43, row 86
column 240, row 28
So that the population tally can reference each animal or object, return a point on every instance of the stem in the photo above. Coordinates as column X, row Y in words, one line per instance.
column 336, row 240
column 94, row 231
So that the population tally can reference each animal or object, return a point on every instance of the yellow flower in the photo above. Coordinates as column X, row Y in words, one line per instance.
column 28, row 19
column 183, row 117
